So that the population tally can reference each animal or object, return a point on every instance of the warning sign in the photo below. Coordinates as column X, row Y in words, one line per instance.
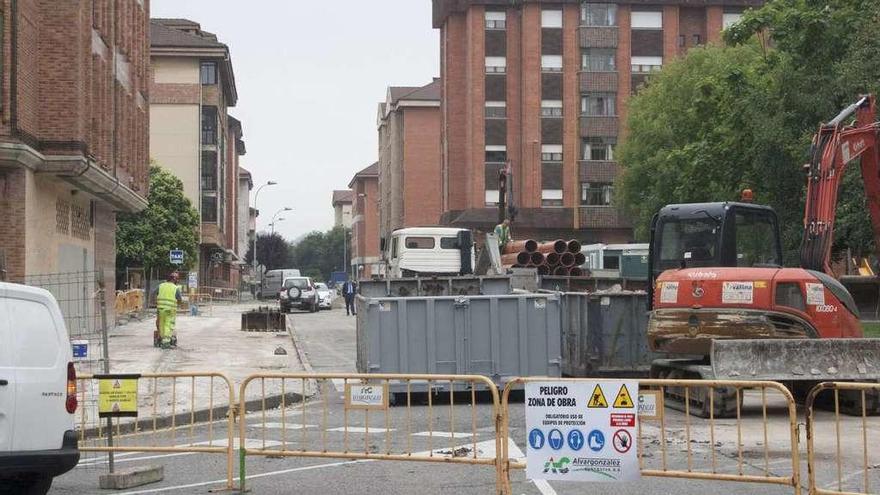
column 623, row 399
column 650, row 404
column 575, row 434
column 597, row 399
column 117, row 395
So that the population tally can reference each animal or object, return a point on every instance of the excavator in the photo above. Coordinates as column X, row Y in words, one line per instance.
column 720, row 298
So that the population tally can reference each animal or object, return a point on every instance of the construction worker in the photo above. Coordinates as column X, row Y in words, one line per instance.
column 502, row 232
column 166, row 304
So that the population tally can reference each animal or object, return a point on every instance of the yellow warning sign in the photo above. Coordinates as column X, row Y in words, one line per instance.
column 597, row 400
column 623, row 399
column 117, row 395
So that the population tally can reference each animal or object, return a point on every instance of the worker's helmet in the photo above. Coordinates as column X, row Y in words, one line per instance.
column 174, row 277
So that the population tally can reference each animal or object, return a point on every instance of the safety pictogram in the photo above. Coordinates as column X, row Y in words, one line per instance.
column 622, row 441
column 623, row 399
column 597, row 399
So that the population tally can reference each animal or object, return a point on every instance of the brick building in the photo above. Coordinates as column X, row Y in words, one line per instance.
column 342, row 204
column 544, row 85
column 364, row 242
column 409, row 158
column 191, row 135
column 73, row 132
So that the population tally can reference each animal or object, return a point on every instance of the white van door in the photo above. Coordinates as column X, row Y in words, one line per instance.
column 7, row 379
column 40, row 353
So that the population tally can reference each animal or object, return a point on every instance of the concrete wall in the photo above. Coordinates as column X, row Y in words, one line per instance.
column 175, row 70
column 174, row 144
column 242, row 219
column 342, row 215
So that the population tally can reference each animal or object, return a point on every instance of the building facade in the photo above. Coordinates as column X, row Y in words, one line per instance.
column 73, row 133
column 342, row 204
column 544, row 87
column 409, row 158
column 191, row 135
column 364, row 240
column 245, row 232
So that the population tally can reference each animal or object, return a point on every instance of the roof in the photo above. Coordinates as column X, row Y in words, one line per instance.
column 173, row 35
column 368, row 172
column 343, row 196
column 428, row 92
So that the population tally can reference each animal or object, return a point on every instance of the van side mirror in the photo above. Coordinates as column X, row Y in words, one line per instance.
column 382, row 244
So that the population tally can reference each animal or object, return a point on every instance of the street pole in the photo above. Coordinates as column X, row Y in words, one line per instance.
column 344, row 251
column 254, row 245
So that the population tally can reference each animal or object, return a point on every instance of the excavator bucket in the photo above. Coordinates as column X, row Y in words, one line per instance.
column 796, row 359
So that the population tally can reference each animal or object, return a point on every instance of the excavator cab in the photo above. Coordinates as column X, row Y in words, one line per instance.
column 707, row 235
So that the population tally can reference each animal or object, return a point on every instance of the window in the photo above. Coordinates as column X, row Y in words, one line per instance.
column 755, row 239
column 611, row 262
column 646, row 64
column 599, row 104
column 209, row 171
column 682, row 40
column 551, row 63
column 789, row 294
column 496, row 154
column 693, row 242
column 551, row 18
column 599, row 14
column 551, row 197
column 598, row 148
column 730, row 18
column 599, row 60
column 209, row 125
column 419, row 243
column 697, row 39
column 496, row 110
column 596, row 193
column 496, row 20
column 493, row 196
column 551, row 153
column 496, row 65
column 647, row 20
column 208, row 73
column 448, row 243
column 394, row 248
column 551, row 108
column 209, row 207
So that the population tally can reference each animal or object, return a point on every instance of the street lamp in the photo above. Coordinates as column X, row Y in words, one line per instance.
column 254, row 245
column 286, row 208
column 273, row 224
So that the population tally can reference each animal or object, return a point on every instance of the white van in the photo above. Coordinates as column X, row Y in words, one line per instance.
column 426, row 251
column 273, row 280
column 37, row 391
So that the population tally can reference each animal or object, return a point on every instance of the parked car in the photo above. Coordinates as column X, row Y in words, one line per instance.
column 37, row 391
column 325, row 296
column 274, row 279
column 298, row 292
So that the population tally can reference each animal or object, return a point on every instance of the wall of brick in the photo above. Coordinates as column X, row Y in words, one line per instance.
column 476, row 104
column 670, row 32
column 714, row 22
column 12, row 220
column 571, row 64
column 421, row 167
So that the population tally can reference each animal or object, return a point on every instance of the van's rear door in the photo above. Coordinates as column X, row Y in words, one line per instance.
column 7, row 377
column 41, row 351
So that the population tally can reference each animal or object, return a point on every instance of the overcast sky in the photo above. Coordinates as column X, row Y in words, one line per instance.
column 309, row 75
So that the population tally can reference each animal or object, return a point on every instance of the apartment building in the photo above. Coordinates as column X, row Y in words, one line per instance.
column 544, row 87
column 364, row 240
column 408, row 124
column 342, row 204
column 73, row 133
column 245, row 234
column 192, row 135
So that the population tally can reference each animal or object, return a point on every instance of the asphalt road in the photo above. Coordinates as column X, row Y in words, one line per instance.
column 321, row 423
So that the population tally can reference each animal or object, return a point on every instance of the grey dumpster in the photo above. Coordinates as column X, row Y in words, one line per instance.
column 499, row 336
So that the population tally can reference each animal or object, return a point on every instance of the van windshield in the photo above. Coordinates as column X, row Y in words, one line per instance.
column 299, row 283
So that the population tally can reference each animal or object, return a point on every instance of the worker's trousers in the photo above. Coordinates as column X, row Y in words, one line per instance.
column 167, row 319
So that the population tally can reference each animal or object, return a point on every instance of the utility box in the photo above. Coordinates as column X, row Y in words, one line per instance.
column 498, row 336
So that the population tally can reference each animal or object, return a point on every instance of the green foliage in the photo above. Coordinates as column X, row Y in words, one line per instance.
column 169, row 222
column 741, row 116
column 320, row 253
column 273, row 252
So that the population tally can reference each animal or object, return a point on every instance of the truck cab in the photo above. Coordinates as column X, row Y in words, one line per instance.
column 429, row 251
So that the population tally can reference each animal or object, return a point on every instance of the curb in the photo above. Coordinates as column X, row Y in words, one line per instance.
column 300, row 353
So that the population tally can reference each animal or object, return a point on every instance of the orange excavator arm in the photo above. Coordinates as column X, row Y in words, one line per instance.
column 836, row 145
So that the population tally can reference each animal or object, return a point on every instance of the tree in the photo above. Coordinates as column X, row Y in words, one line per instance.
column 724, row 118
column 273, row 252
column 320, row 253
column 169, row 222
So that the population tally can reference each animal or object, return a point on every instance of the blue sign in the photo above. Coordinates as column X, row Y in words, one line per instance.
column 536, row 439
column 575, row 439
column 176, row 256
column 555, row 439
column 596, row 440
column 80, row 349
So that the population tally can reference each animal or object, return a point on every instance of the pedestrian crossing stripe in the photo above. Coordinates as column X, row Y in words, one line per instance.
column 597, row 399
column 623, row 399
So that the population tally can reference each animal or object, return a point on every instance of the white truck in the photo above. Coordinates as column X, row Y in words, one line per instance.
column 428, row 251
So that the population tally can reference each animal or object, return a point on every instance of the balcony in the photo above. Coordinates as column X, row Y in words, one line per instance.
column 597, row 170
column 603, row 217
column 604, row 82
column 598, row 36
column 599, row 126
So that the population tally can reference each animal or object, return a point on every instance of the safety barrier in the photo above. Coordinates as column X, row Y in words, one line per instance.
column 722, row 439
column 456, row 395
column 156, row 412
column 855, row 398
column 129, row 302
column 220, row 294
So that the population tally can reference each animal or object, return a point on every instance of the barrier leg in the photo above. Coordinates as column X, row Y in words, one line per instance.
column 242, row 471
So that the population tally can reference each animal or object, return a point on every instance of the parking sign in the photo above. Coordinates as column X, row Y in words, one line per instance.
column 176, row 256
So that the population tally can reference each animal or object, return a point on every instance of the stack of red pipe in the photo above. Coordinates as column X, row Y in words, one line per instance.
column 550, row 258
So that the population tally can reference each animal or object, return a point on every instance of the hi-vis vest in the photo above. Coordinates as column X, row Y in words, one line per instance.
column 167, row 298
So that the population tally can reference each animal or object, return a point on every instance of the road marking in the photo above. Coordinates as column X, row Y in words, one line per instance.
column 360, row 429
column 251, row 443
column 442, row 434
column 288, row 426
column 516, row 454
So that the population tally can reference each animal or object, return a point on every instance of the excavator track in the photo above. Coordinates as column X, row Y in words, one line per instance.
column 849, row 402
column 703, row 402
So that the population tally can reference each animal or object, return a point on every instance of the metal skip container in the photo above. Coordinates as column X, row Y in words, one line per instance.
column 498, row 336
